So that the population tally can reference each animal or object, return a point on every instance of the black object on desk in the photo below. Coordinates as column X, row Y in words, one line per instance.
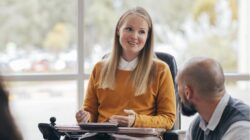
column 99, row 126
column 102, row 131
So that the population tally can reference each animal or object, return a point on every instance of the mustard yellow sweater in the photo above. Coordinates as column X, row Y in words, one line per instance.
column 156, row 108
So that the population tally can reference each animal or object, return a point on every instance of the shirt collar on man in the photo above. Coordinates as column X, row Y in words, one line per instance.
column 216, row 116
column 125, row 65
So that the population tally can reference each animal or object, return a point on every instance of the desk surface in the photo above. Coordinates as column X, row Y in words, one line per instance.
column 121, row 130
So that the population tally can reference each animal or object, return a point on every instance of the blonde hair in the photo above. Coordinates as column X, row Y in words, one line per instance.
column 142, row 75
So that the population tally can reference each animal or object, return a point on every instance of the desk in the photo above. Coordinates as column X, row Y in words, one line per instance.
column 124, row 132
column 121, row 130
column 74, row 132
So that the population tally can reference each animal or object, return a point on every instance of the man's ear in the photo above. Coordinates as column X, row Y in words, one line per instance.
column 188, row 92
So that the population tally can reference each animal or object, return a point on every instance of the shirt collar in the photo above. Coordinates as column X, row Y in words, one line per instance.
column 125, row 65
column 216, row 116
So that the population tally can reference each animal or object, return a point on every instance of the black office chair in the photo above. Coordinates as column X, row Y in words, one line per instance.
column 170, row 60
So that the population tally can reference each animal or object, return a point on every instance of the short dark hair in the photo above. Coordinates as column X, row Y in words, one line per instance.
column 205, row 74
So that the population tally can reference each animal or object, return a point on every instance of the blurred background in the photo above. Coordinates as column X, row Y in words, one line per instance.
column 48, row 48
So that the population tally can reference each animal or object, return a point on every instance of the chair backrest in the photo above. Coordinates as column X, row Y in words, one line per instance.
column 170, row 60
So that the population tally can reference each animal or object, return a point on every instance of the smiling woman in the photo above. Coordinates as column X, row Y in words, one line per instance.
column 138, row 96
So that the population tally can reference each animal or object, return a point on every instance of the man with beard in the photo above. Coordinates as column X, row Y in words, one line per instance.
column 201, row 89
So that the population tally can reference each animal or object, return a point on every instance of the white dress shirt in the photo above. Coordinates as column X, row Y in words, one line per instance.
column 239, row 130
column 129, row 66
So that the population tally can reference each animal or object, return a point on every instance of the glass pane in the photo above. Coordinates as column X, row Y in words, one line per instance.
column 200, row 28
column 37, row 36
column 239, row 90
column 35, row 102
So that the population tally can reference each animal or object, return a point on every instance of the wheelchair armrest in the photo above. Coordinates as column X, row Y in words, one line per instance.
column 174, row 135
column 48, row 131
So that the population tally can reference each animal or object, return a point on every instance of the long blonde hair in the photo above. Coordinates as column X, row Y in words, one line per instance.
column 142, row 75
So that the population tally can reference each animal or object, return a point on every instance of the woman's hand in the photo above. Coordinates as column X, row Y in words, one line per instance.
column 124, row 121
column 82, row 116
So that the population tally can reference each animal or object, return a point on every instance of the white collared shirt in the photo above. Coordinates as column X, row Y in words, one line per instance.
column 125, row 65
column 214, row 120
column 237, row 131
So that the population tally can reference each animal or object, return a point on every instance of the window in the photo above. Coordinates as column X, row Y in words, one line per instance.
column 38, row 59
column 48, row 48
column 37, row 38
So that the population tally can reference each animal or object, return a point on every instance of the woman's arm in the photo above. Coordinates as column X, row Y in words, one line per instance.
column 165, row 104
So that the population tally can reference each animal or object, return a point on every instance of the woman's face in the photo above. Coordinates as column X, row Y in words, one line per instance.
column 133, row 35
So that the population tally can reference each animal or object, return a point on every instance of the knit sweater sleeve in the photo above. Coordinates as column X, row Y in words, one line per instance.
column 165, row 104
column 90, row 103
